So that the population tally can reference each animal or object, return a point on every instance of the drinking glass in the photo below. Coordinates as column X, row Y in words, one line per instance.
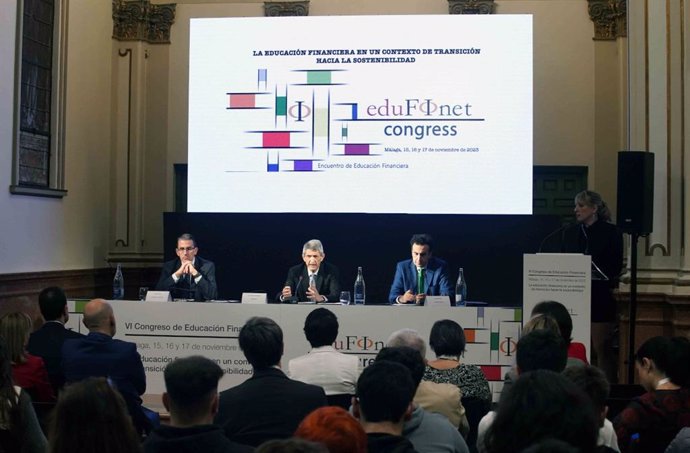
column 142, row 293
column 345, row 297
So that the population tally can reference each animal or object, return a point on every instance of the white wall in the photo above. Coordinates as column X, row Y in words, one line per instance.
column 41, row 234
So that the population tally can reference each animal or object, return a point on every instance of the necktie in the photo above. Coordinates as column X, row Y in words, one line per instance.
column 420, row 281
column 312, row 280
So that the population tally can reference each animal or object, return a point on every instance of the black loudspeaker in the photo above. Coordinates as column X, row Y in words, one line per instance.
column 635, row 213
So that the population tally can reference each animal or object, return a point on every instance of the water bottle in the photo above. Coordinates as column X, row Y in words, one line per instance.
column 118, row 284
column 360, row 292
column 461, row 290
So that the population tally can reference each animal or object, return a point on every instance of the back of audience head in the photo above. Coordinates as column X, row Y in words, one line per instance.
column 542, row 404
column 191, row 385
column 261, row 341
column 292, row 445
column 550, row 446
column 669, row 356
column 90, row 416
column 557, row 311
column 541, row 350
column 447, row 338
column 593, row 382
column 335, row 428
column 99, row 317
column 321, row 327
column 15, row 328
column 384, row 393
column 541, row 322
column 52, row 302
column 406, row 356
column 409, row 338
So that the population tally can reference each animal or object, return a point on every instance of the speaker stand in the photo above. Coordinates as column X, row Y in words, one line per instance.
column 632, row 312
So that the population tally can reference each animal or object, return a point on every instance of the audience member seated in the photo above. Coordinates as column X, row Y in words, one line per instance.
column 593, row 382
column 577, row 353
column 536, row 350
column 542, row 404
column 429, row 432
column 335, row 428
column 19, row 428
column 28, row 371
column 292, row 445
column 651, row 421
column 90, row 416
column 550, row 446
column 334, row 371
column 269, row 405
column 47, row 341
column 191, row 398
column 384, row 401
column 99, row 354
column 447, row 340
column 444, row 399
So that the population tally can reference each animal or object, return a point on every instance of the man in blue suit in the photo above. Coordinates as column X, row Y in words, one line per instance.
column 421, row 276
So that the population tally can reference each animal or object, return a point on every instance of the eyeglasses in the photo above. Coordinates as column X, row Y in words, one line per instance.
column 185, row 249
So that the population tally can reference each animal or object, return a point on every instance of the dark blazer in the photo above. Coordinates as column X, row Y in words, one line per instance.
column 435, row 279
column 186, row 288
column 269, row 405
column 100, row 355
column 327, row 281
column 47, row 343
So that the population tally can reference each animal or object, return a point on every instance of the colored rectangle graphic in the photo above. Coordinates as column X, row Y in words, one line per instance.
column 303, row 165
column 281, row 105
column 357, row 149
column 321, row 122
column 492, row 372
column 238, row 101
column 276, row 139
column 319, row 77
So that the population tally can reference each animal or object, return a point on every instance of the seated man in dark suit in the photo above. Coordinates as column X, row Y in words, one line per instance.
column 189, row 276
column 314, row 280
column 268, row 405
column 98, row 354
column 47, row 341
column 422, row 275
column 191, row 398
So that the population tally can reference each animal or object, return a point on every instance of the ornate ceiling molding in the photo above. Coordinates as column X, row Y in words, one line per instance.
column 609, row 17
column 471, row 6
column 139, row 20
column 286, row 8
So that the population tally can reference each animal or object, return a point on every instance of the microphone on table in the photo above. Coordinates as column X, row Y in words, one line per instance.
column 294, row 298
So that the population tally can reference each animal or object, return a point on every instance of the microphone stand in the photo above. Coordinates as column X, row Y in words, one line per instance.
column 632, row 315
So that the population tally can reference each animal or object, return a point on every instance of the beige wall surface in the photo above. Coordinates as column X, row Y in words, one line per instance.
column 40, row 234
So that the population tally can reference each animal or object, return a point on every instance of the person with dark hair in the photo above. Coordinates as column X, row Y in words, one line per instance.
column 445, row 399
column 594, row 235
column 292, row 445
column 47, row 341
column 28, row 370
column 191, row 398
column 422, row 275
column 577, row 354
column 550, row 446
column 537, row 350
column 99, row 354
column 652, row 420
column 428, row 431
column 542, row 404
column 19, row 427
column 314, row 280
column 90, row 416
column 269, row 405
column 334, row 371
column 188, row 276
column 334, row 427
column 383, row 403
column 447, row 340
column 593, row 382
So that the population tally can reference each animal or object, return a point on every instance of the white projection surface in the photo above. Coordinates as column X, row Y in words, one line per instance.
column 361, row 114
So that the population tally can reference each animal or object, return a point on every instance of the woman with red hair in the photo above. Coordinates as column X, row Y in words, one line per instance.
column 335, row 428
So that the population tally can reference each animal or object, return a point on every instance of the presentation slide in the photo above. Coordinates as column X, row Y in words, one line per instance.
column 361, row 114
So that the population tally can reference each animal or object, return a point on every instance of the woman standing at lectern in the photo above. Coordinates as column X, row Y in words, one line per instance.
column 594, row 235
